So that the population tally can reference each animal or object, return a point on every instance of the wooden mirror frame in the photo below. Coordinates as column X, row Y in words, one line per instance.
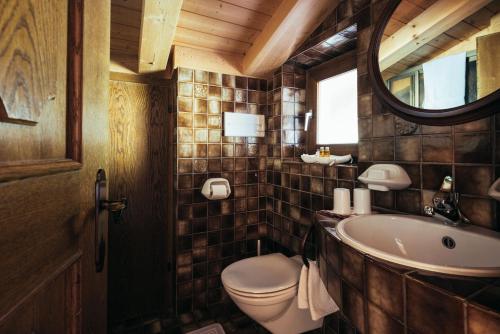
column 481, row 108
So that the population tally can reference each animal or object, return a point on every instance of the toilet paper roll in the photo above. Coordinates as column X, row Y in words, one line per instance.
column 362, row 202
column 218, row 191
column 342, row 201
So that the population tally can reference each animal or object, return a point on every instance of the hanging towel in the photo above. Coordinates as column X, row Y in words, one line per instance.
column 444, row 82
column 313, row 294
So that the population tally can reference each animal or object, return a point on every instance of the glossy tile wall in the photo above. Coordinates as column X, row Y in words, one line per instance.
column 469, row 152
column 212, row 234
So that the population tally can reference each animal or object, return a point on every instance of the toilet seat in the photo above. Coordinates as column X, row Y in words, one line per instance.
column 262, row 276
column 288, row 291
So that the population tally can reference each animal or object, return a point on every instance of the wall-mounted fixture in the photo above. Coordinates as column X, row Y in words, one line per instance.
column 216, row 188
column 244, row 125
column 385, row 177
column 309, row 116
column 495, row 190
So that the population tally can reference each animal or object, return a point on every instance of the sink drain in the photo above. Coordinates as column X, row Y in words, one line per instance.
column 448, row 242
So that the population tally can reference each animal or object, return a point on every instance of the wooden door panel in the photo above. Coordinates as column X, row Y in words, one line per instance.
column 52, row 309
column 33, row 61
column 33, row 58
column 39, row 233
column 40, row 87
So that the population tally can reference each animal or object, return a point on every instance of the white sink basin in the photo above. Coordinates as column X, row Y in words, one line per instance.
column 423, row 243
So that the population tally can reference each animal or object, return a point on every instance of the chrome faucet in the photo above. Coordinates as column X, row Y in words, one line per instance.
column 445, row 206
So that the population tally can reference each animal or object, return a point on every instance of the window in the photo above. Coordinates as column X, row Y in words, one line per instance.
column 408, row 86
column 337, row 109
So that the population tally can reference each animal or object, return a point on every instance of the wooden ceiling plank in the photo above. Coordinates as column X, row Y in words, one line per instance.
column 132, row 4
column 126, row 16
column 462, row 31
column 435, row 20
column 158, row 25
column 208, row 41
column 125, row 32
column 263, row 6
column 291, row 24
column 224, row 11
column 216, row 27
column 124, row 47
column 406, row 12
column 481, row 19
column 424, row 4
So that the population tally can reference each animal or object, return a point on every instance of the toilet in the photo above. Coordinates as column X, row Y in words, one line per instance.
column 265, row 288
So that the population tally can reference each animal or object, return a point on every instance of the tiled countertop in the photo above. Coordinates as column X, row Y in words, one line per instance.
column 380, row 297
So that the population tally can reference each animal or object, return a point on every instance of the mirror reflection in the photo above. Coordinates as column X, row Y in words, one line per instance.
column 435, row 54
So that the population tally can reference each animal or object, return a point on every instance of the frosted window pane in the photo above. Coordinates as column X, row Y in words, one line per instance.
column 338, row 109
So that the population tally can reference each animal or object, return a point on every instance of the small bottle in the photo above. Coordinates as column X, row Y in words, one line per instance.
column 321, row 151
column 327, row 152
column 317, row 153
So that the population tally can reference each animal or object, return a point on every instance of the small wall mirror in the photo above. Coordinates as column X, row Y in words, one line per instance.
column 438, row 61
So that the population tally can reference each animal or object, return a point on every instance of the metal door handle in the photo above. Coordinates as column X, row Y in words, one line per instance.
column 116, row 208
column 101, row 195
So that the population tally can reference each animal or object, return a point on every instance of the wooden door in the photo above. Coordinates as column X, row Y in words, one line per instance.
column 54, row 60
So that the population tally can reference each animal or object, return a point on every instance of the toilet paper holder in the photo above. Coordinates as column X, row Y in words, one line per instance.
column 208, row 190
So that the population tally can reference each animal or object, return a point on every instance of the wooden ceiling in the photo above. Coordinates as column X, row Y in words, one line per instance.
column 229, row 26
column 409, row 10
column 246, row 33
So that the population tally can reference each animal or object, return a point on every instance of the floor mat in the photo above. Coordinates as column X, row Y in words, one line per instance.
column 210, row 329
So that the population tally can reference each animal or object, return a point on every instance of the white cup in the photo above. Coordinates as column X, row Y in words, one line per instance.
column 342, row 201
column 362, row 202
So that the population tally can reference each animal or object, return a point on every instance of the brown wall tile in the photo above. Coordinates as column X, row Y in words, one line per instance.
column 430, row 311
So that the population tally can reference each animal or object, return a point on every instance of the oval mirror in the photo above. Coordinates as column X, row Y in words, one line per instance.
column 437, row 62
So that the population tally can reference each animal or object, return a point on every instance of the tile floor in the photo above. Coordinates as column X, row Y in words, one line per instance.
column 229, row 316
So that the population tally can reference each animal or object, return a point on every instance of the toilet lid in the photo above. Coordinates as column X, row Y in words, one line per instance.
column 262, row 274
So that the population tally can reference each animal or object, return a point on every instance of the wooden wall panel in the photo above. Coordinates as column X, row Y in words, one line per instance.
column 138, row 171
column 488, row 57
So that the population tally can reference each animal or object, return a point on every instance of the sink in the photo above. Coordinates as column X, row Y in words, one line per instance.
column 425, row 244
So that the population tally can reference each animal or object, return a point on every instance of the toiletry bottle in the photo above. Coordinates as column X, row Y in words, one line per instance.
column 317, row 153
column 321, row 151
column 327, row 151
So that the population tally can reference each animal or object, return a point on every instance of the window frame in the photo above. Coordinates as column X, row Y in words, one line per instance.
column 328, row 69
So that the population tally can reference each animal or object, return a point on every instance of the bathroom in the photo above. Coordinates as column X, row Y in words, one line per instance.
column 175, row 166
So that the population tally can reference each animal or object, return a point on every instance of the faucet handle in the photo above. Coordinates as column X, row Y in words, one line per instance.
column 429, row 210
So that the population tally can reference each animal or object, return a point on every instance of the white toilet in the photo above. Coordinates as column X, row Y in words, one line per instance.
column 265, row 288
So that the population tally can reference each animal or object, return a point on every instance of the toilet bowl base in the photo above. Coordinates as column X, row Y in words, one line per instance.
column 292, row 321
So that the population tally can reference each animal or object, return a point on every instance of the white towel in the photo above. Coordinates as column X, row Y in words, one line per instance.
column 444, row 82
column 312, row 293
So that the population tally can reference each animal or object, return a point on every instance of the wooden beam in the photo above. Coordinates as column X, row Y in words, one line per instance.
column 435, row 20
column 291, row 24
column 207, row 60
column 158, row 24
